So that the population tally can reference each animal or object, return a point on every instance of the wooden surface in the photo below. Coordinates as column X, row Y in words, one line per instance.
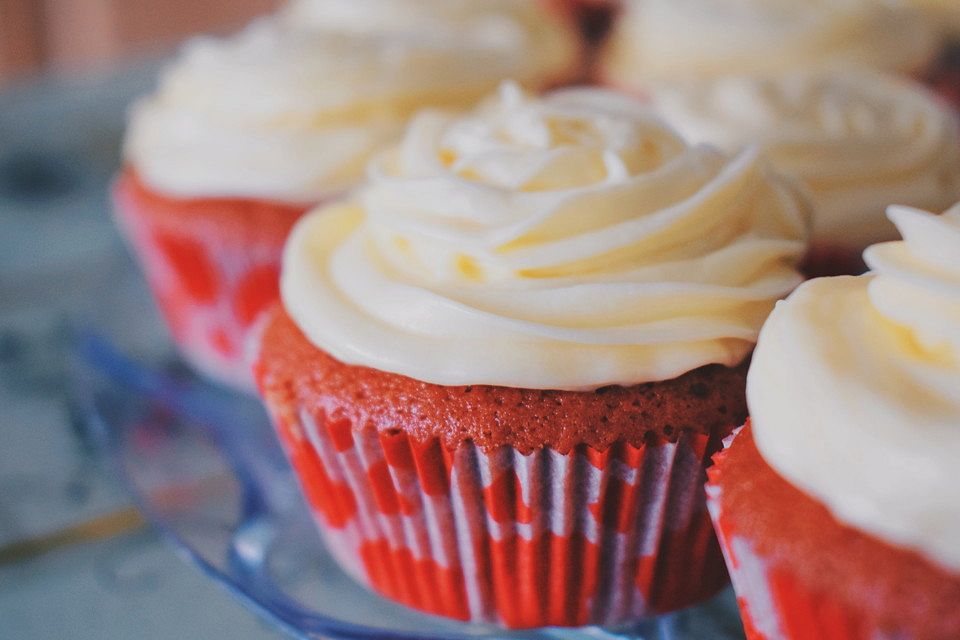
column 72, row 35
column 20, row 45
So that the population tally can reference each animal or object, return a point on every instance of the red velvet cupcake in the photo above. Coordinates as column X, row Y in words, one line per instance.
column 246, row 133
column 836, row 506
column 502, row 365
column 506, row 505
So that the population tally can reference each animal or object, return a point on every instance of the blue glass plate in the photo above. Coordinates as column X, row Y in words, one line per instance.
column 204, row 467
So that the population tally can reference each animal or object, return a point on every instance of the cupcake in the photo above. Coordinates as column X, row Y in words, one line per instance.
column 246, row 133
column 836, row 506
column 501, row 366
column 855, row 141
column 657, row 40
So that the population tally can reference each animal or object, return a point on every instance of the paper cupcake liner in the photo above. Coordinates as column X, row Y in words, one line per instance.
column 210, row 285
column 774, row 604
column 502, row 537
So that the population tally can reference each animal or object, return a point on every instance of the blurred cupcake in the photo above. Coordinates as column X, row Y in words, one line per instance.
column 658, row 40
column 245, row 133
column 502, row 365
column 837, row 505
column 856, row 141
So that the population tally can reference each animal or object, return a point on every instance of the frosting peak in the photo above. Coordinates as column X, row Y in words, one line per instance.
column 917, row 283
column 568, row 242
column 854, row 389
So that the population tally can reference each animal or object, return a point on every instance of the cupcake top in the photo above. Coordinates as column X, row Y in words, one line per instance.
column 857, row 141
column 293, row 114
column 675, row 39
column 568, row 242
column 854, row 389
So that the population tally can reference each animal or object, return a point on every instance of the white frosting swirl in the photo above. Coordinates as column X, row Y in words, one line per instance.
column 857, row 141
column 678, row 39
column 293, row 114
column 854, row 389
column 568, row 242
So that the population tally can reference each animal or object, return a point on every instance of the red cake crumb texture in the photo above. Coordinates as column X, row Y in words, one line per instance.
column 899, row 588
column 709, row 400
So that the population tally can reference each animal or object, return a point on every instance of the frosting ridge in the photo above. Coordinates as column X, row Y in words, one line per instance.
column 854, row 389
column 568, row 242
column 857, row 141
column 665, row 39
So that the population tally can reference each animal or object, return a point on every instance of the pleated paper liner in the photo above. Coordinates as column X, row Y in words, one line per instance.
column 531, row 540
column 774, row 604
column 212, row 272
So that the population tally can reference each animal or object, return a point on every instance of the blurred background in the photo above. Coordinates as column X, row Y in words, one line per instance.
column 69, row 36
column 76, row 560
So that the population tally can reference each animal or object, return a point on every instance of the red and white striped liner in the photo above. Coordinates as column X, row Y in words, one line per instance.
column 774, row 604
column 210, row 284
column 502, row 537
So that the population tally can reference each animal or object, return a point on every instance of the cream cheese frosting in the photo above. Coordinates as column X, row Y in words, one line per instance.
column 854, row 389
column 857, row 141
column 677, row 39
column 568, row 242
column 293, row 114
